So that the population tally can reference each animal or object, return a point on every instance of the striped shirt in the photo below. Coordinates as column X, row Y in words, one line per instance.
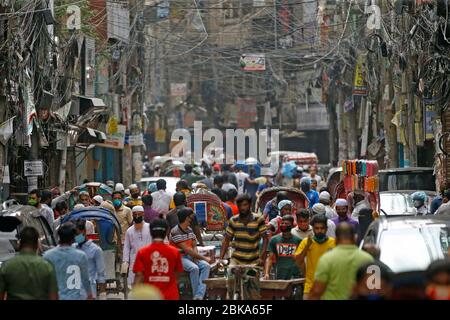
column 178, row 236
column 246, row 237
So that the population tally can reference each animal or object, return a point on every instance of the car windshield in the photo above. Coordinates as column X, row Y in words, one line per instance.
column 396, row 203
column 407, row 181
column 411, row 249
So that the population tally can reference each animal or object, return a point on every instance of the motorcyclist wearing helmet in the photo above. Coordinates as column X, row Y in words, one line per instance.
column 419, row 198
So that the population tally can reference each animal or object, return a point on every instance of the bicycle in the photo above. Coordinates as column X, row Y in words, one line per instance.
column 246, row 282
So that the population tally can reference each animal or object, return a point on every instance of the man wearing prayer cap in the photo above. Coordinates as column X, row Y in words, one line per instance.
column 135, row 197
column 343, row 215
column 119, row 187
column 97, row 200
column 325, row 199
column 319, row 209
column 136, row 237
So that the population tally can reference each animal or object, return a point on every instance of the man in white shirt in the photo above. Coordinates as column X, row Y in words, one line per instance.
column 161, row 199
column 227, row 186
column 319, row 208
column 325, row 199
column 36, row 198
column 241, row 178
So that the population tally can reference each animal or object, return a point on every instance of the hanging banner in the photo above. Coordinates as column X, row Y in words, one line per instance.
column 253, row 62
column 6, row 130
column 359, row 84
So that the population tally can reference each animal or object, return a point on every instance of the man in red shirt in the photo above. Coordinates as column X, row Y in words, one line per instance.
column 158, row 263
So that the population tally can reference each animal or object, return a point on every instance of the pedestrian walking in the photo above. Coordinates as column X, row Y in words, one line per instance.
column 303, row 229
column 336, row 270
column 96, row 262
column 161, row 198
column 311, row 249
column 27, row 276
column 71, row 266
column 136, row 237
column 123, row 213
column 34, row 199
column 281, row 252
column 158, row 263
column 344, row 216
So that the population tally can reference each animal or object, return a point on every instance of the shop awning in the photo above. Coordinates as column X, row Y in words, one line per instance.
column 80, row 136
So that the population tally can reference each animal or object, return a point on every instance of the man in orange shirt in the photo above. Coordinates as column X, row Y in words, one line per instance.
column 232, row 194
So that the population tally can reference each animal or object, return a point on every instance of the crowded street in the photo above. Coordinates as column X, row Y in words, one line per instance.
column 224, row 150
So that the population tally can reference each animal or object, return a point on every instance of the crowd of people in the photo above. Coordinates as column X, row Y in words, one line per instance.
column 161, row 238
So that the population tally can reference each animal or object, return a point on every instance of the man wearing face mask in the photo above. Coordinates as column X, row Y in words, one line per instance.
column 282, row 247
column 419, row 198
column 135, row 198
column 96, row 263
column 312, row 195
column 27, row 276
column 136, row 237
column 336, row 270
column 285, row 208
column 34, row 199
column 311, row 249
column 123, row 213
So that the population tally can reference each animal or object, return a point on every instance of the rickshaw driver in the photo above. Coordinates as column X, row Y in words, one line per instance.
column 244, row 231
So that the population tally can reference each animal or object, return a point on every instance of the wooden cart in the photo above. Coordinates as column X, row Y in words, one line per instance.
column 270, row 289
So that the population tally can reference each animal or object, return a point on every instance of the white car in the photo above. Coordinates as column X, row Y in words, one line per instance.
column 171, row 183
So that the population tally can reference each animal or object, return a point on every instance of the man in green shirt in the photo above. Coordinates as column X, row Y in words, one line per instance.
column 336, row 271
column 28, row 276
column 282, row 247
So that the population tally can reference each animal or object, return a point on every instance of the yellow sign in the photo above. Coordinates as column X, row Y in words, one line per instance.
column 160, row 136
column 112, row 126
column 359, row 85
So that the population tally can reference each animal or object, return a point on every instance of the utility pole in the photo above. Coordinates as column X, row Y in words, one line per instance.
column 387, row 102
